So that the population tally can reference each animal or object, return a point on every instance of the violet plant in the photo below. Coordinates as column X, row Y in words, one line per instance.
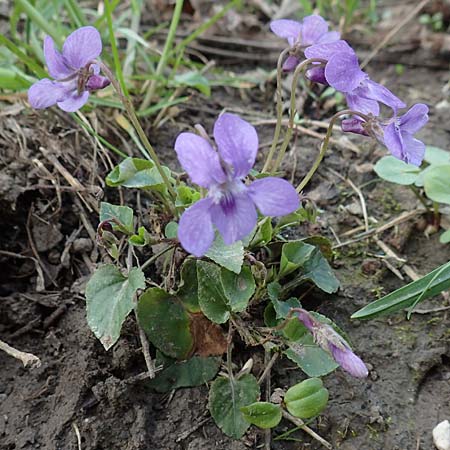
column 220, row 246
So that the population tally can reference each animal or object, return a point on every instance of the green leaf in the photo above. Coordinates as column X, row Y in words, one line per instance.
column 262, row 414
column 229, row 256
column 294, row 255
column 437, row 184
column 121, row 217
column 171, row 230
column 320, row 273
column 10, row 79
column 444, row 238
column 211, row 298
column 281, row 308
column 195, row 80
column 435, row 155
column 109, row 300
column 428, row 286
column 311, row 358
column 196, row 371
column 396, row 171
column 263, row 233
column 166, row 322
column 141, row 239
column 238, row 289
column 186, row 196
column 227, row 397
column 137, row 173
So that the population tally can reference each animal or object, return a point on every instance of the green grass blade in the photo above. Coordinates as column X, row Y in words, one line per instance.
column 36, row 17
column 428, row 286
column 36, row 68
column 75, row 13
column 95, row 134
column 115, row 52
column 202, row 28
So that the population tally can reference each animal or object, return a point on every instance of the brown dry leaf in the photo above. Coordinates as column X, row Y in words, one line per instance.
column 209, row 339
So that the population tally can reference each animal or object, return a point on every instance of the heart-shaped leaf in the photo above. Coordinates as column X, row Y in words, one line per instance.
column 437, row 185
column 109, row 300
column 229, row 256
column 262, row 414
column 396, row 171
column 238, row 289
column 227, row 397
column 196, row 371
column 211, row 298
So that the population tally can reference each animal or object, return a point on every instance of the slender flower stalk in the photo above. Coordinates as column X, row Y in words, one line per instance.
column 325, row 143
column 277, row 131
column 137, row 125
column 287, row 137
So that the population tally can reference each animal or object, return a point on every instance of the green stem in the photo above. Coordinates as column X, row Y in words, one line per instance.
column 137, row 126
column 276, row 134
column 325, row 142
column 165, row 55
column 420, row 197
column 298, row 71
column 436, row 212
column 156, row 256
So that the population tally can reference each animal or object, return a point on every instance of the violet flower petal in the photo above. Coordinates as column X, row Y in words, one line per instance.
column 274, row 196
column 413, row 149
column 235, row 217
column 317, row 75
column 290, row 64
column 313, row 28
column 349, row 362
column 384, row 95
column 326, row 50
column 362, row 104
column 237, row 142
column 331, row 36
column 354, row 125
column 393, row 140
column 343, row 73
column 45, row 93
column 306, row 319
column 287, row 29
column 96, row 82
column 415, row 118
column 195, row 230
column 55, row 62
column 81, row 47
column 199, row 160
column 73, row 101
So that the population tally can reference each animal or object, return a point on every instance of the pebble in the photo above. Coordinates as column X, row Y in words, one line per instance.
column 441, row 435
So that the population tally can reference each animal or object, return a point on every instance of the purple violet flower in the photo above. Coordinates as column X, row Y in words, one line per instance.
column 327, row 338
column 342, row 72
column 230, row 205
column 300, row 35
column 74, row 71
column 397, row 134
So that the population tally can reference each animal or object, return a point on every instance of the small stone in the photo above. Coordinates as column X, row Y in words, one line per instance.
column 82, row 245
column 441, row 435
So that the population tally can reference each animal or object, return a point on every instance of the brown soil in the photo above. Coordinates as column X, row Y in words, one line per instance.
column 81, row 390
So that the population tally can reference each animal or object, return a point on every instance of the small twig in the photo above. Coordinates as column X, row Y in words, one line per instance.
column 432, row 310
column 146, row 351
column 360, row 195
column 268, row 367
column 187, row 433
column 299, row 423
column 393, row 32
column 28, row 359
column 77, row 433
